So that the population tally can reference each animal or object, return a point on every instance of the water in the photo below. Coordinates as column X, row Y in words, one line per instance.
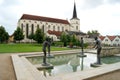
column 65, row 63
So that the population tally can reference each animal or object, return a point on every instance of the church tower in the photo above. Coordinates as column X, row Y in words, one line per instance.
column 75, row 21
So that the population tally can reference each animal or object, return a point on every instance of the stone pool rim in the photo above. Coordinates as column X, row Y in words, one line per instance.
column 21, row 65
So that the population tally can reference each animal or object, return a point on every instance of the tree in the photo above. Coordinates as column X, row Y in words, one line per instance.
column 4, row 36
column 73, row 39
column 68, row 38
column 93, row 33
column 31, row 36
column 18, row 34
column 63, row 38
column 39, row 36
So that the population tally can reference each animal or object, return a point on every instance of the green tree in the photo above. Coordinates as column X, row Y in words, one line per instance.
column 63, row 38
column 31, row 36
column 18, row 34
column 68, row 38
column 39, row 36
column 93, row 33
column 77, row 42
column 4, row 36
column 73, row 39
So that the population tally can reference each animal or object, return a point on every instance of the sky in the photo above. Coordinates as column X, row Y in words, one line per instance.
column 100, row 15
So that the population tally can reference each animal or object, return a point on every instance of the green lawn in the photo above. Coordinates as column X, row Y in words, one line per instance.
column 18, row 48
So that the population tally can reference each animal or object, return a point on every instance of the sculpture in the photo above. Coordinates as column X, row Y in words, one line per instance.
column 82, row 43
column 98, row 47
column 46, row 44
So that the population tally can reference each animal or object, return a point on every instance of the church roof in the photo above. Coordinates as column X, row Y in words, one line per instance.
column 77, row 33
column 41, row 18
column 57, row 33
column 74, row 12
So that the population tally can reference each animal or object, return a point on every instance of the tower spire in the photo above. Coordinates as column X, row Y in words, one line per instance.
column 74, row 11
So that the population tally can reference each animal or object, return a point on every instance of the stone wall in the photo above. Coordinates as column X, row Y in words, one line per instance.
column 109, row 51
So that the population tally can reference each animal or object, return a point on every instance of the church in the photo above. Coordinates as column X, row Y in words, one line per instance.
column 52, row 27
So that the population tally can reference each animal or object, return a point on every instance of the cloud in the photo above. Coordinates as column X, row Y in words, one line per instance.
column 92, row 3
column 93, row 14
column 104, row 18
column 113, row 1
column 9, row 2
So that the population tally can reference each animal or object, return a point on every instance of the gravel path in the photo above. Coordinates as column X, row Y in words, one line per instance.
column 6, row 68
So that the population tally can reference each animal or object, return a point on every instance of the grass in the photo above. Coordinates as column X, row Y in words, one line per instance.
column 19, row 48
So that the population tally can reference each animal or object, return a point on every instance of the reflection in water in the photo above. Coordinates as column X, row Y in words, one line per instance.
column 75, row 62
column 82, row 65
column 65, row 63
column 46, row 72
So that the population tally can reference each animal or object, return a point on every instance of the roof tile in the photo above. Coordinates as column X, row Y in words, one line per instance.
column 41, row 18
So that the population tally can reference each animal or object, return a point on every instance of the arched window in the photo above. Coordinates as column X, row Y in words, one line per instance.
column 48, row 27
column 43, row 28
column 32, row 29
column 62, row 28
column 38, row 26
column 22, row 26
column 53, row 28
column 58, row 28
column 27, row 30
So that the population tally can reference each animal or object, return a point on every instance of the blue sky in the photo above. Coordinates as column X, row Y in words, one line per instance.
column 101, row 15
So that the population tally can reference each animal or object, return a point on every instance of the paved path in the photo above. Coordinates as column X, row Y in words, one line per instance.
column 110, row 76
column 7, row 71
column 6, row 68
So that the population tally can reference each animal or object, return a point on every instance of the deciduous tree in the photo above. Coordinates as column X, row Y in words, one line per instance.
column 18, row 34
column 4, row 36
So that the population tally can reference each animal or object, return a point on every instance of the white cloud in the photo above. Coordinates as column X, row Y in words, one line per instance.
column 101, row 15
column 104, row 18
column 1, row 1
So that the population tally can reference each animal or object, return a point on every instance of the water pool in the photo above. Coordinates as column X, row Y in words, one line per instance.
column 65, row 63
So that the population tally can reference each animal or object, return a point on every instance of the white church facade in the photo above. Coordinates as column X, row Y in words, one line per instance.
column 52, row 27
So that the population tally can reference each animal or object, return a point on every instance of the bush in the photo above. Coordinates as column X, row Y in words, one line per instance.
column 86, row 45
column 57, row 43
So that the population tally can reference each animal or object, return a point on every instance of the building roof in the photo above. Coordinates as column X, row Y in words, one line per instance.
column 74, row 12
column 77, row 33
column 111, row 37
column 102, row 37
column 41, row 18
column 57, row 33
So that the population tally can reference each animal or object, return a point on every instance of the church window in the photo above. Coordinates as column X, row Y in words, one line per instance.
column 32, row 29
column 49, row 27
column 38, row 26
column 62, row 28
column 43, row 28
column 58, row 28
column 53, row 28
column 27, row 30
column 22, row 26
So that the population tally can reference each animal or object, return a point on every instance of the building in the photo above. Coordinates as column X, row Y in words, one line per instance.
column 52, row 27
column 110, row 40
